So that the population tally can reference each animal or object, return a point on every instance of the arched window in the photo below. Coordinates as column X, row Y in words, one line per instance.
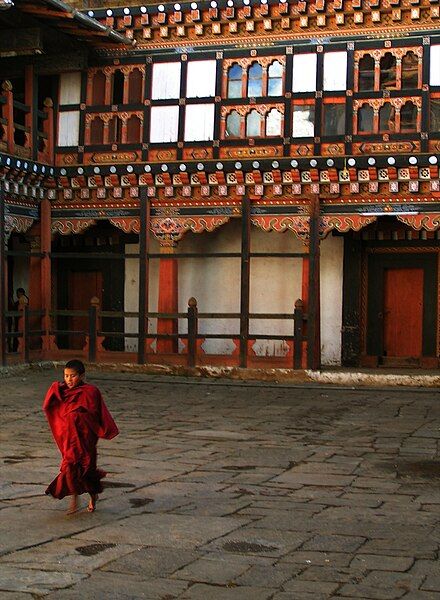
column 408, row 117
column 233, row 124
column 255, row 81
column 388, row 72
column 366, row 73
column 98, row 88
column 133, row 130
column 275, row 79
column 97, row 131
column 235, row 88
column 253, row 124
column 135, row 87
column 386, row 118
column 273, row 122
column 118, row 87
column 410, row 71
column 365, row 119
column 114, row 131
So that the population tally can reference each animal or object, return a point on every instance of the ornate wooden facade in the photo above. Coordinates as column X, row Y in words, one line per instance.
column 320, row 119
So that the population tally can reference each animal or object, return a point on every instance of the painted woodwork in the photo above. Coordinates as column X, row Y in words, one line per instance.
column 376, row 263
column 82, row 287
column 403, row 312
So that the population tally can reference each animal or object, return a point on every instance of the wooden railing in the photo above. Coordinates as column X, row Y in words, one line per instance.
column 28, row 339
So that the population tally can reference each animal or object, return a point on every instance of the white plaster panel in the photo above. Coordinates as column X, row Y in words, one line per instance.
column 68, row 128
column 275, row 285
column 201, row 78
column 166, row 81
column 304, row 72
column 131, row 293
column 199, row 122
column 70, row 88
column 332, row 255
column 164, row 125
column 434, row 78
column 214, row 282
column 335, row 71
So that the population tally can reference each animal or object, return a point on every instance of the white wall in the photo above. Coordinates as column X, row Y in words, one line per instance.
column 215, row 283
column 332, row 254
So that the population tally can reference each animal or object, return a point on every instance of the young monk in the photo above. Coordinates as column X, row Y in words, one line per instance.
column 77, row 416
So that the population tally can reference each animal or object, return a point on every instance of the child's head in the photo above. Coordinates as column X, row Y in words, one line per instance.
column 74, row 372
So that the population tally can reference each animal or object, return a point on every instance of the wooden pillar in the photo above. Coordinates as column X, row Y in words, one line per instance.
column 313, row 310
column 168, row 300
column 245, row 279
column 46, row 271
column 30, row 118
column 8, row 115
column 144, row 245
column 35, row 287
column 3, row 299
column 49, row 130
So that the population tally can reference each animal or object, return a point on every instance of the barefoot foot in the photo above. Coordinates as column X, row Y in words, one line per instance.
column 92, row 502
column 73, row 506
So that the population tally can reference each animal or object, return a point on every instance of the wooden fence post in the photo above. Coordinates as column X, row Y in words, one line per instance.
column 25, row 333
column 192, row 332
column 93, row 328
column 297, row 334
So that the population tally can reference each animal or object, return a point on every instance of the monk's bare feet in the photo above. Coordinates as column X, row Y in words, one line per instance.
column 73, row 506
column 92, row 502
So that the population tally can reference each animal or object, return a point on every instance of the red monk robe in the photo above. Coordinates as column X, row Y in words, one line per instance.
column 77, row 418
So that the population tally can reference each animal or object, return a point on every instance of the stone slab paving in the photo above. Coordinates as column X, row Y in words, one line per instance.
column 228, row 491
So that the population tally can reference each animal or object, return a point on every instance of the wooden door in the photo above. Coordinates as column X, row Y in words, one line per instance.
column 403, row 312
column 83, row 285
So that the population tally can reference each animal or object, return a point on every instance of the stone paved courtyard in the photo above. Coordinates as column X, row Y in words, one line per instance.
column 218, row 490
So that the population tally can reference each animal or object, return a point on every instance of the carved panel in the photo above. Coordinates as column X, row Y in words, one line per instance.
column 127, row 224
column 302, row 150
column 430, row 222
column 343, row 223
column 252, row 152
column 299, row 225
column 163, row 154
column 68, row 226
